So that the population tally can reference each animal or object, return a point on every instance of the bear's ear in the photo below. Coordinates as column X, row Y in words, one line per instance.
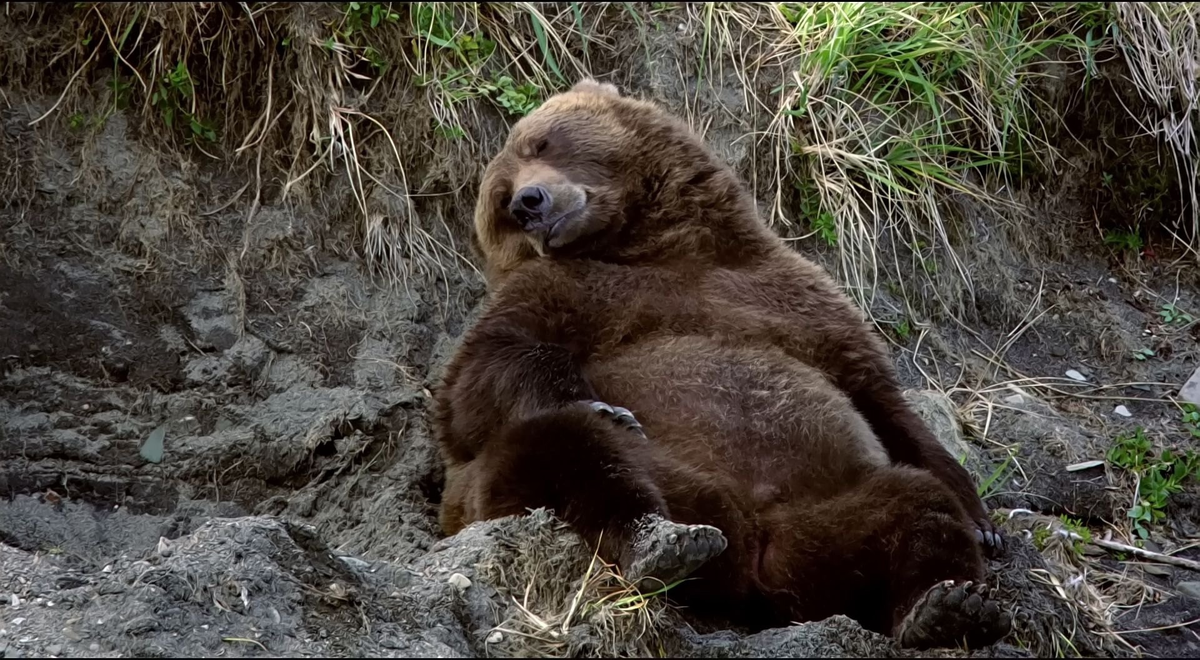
column 596, row 87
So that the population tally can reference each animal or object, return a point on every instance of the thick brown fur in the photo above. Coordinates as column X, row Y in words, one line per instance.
column 770, row 408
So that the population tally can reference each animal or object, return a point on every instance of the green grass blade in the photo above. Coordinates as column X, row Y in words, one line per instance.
column 544, row 44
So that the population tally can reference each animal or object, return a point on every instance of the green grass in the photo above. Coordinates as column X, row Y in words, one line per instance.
column 895, row 107
column 1129, row 241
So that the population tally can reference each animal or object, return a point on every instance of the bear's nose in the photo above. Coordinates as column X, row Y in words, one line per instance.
column 531, row 203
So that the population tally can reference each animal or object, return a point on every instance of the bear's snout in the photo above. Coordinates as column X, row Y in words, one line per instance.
column 532, row 204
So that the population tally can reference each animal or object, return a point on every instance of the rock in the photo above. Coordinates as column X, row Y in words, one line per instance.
column 1075, row 375
column 1191, row 589
column 459, row 581
column 152, row 449
column 937, row 410
column 1190, row 391
column 1122, row 411
column 213, row 324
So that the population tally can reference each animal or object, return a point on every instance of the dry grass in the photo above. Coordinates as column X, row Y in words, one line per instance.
column 567, row 608
column 869, row 117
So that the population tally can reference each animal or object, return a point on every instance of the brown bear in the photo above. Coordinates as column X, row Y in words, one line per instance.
column 666, row 374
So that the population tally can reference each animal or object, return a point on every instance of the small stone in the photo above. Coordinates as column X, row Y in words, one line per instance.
column 93, row 647
column 18, row 621
column 1112, row 280
column 1075, row 375
column 1190, row 589
column 1155, row 569
column 107, row 569
column 14, row 600
column 54, row 649
column 355, row 562
column 496, row 637
column 1122, row 411
column 1015, row 399
column 459, row 581
column 1190, row 391
column 86, row 407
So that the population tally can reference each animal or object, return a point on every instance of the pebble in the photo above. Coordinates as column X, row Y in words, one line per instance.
column 459, row 581
column 1154, row 569
column 496, row 637
column 18, row 621
column 1190, row 391
column 1015, row 399
column 54, row 649
column 1191, row 589
column 93, row 647
column 1075, row 375
column 1122, row 411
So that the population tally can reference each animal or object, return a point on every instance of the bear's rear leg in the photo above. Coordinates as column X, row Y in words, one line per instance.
column 588, row 462
column 882, row 553
column 953, row 611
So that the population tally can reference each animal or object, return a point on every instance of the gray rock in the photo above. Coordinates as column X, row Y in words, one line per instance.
column 1190, row 391
column 937, row 410
column 1190, row 589
column 213, row 322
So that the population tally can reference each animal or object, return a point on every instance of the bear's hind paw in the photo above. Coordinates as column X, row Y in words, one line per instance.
column 665, row 552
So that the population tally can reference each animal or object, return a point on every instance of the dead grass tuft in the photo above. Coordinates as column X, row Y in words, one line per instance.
column 570, row 608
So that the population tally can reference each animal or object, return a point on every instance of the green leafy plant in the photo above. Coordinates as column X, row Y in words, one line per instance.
column 1191, row 420
column 1159, row 477
column 1079, row 529
column 1143, row 354
column 372, row 14
column 517, row 99
column 1129, row 241
column 826, row 227
column 1172, row 315
column 435, row 23
column 173, row 95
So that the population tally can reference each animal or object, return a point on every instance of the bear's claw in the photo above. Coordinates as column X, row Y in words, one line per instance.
column 952, row 613
column 665, row 552
column 620, row 416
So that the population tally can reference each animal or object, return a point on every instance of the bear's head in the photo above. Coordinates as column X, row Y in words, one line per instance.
column 598, row 175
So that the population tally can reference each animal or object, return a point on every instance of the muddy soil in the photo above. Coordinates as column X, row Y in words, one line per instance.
column 213, row 436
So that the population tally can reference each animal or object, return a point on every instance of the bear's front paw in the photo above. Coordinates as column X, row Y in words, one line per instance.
column 620, row 416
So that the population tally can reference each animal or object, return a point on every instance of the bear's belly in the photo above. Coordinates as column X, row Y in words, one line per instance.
column 750, row 413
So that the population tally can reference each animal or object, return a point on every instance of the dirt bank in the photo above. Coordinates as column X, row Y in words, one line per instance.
column 212, row 399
